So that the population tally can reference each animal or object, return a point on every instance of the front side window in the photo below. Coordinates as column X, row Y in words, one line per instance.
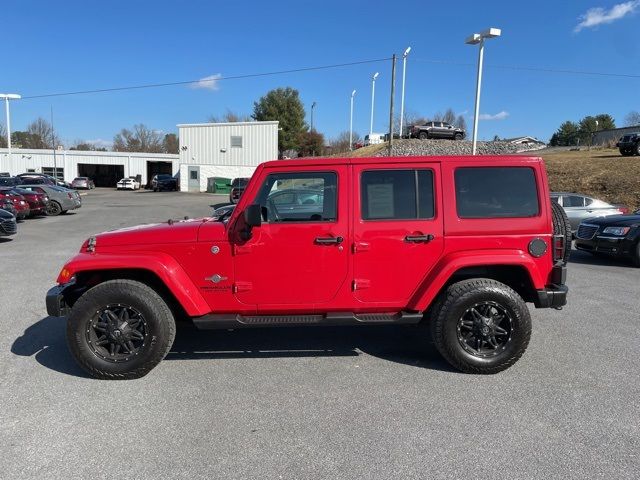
column 496, row 192
column 299, row 197
column 396, row 194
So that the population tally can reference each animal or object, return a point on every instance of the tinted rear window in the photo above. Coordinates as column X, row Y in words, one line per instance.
column 496, row 192
column 396, row 194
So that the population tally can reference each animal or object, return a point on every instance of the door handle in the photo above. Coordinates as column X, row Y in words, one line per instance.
column 418, row 238
column 329, row 240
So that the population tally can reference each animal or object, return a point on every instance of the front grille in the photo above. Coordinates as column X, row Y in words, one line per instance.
column 8, row 227
column 586, row 231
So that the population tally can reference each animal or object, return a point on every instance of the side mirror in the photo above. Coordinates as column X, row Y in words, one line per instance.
column 253, row 215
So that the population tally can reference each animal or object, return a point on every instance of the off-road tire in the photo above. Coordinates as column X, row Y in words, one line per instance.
column 562, row 226
column 423, row 135
column 54, row 208
column 159, row 321
column 455, row 301
column 457, row 136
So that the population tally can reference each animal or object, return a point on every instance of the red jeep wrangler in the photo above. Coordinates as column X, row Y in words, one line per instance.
column 459, row 242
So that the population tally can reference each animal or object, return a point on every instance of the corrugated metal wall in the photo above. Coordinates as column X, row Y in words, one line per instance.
column 210, row 143
column 133, row 163
column 604, row 137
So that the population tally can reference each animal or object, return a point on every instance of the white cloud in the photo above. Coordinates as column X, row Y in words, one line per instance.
column 99, row 142
column 599, row 16
column 498, row 116
column 208, row 83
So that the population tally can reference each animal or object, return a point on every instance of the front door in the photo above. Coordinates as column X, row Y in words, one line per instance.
column 298, row 257
column 398, row 231
column 194, row 179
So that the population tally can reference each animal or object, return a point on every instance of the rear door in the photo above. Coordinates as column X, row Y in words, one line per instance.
column 398, row 231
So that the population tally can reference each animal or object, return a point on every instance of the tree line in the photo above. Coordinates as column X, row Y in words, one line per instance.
column 572, row 133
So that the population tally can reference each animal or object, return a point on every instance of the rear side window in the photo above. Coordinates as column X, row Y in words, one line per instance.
column 496, row 192
column 396, row 194
column 573, row 201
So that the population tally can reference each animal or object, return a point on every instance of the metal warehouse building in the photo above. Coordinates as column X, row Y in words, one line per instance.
column 227, row 150
column 105, row 168
column 207, row 150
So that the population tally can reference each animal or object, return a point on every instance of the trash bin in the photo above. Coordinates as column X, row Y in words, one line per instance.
column 218, row 185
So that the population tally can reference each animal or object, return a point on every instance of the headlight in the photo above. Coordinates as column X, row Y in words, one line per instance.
column 617, row 231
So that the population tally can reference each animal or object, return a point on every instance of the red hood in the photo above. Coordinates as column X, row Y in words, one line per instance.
column 179, row 231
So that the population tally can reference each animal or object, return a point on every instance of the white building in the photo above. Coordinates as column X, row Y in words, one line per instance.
column 207, row 150
column 105, row 168
column 226, row 150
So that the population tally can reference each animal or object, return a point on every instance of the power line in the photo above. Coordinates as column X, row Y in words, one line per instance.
column 532, row 69
column 191, row 82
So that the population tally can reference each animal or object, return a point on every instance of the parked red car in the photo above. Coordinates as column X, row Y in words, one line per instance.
column 22, row 206
column 37, row 201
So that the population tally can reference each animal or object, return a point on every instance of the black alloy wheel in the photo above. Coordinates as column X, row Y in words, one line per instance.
column 484, row 329
column 117, row 333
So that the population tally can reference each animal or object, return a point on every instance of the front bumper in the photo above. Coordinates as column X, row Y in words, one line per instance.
column 615, row 246
column 56, row 305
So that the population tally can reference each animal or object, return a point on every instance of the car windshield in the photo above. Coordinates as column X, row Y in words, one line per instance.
column 164, row 177
column 80, row 178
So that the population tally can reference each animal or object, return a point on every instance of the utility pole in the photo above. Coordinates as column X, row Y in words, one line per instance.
column 53, row 145
column 393, row 92
column 353, row 94
column 313, row 105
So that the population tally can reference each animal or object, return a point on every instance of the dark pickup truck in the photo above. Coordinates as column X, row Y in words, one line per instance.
column 629, row 144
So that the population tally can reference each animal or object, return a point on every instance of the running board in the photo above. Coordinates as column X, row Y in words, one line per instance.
column 231, row 320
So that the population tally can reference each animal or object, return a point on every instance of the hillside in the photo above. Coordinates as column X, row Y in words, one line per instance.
column 603, row 174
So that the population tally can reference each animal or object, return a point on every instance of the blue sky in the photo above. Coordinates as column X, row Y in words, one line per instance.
column 79, row 45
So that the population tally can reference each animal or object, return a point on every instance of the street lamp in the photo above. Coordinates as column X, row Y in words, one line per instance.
column 478, row 39
column 7, row 97
column 353, row 94
column 404, row 72
column 373, row 96
column 313, row 105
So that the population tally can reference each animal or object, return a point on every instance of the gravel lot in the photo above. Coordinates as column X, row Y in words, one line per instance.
column 313, row 403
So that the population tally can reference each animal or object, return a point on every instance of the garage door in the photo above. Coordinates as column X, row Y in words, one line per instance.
column 102, row 175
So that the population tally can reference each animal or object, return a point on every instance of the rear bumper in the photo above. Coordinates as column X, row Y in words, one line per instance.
column 552, row 297
column 56, row 305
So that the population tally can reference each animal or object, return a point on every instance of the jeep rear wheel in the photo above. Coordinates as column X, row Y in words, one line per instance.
column 120, row 329
column 480, row 326
column 562, row 227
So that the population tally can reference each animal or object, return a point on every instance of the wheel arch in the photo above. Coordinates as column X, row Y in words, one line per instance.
column 515, row 270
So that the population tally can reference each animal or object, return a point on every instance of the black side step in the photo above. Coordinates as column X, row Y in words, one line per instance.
column 230, row 320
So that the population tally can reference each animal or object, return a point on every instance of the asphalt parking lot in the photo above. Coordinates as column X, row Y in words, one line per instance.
column 312, row 403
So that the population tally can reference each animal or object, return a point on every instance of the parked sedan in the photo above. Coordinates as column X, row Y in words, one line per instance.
column 19, row 202
column 617, row 236
column 128, row 184
column 37, row 201
column 7, row 206
column 579, row 207
column 83, row 182
column 164, row 181
column 61, row 199
column 7, row 224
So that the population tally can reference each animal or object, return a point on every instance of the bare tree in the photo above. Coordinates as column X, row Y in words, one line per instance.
column 41, row 135
column 632, row 119
column 229, row 117
column 449, row 116
column 86, row 146
column 3, row 136
column 141, row 139
column 171, row 143
column 340, row 144
column 461, row 122
column 410, row 118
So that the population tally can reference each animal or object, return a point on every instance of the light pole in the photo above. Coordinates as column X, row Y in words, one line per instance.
column 404, row 73
column 313, row 105
column 478, row 39
column 353, row 94
column 373, row 97
column 7, row 97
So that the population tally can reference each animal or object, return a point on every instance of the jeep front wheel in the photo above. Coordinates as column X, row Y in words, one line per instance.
column 120, row 329
column 480, row 326
column 423, row 135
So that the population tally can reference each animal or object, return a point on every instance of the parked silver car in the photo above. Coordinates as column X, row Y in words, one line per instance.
column 578, row 207
column 83, row 182
column 61, row 199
